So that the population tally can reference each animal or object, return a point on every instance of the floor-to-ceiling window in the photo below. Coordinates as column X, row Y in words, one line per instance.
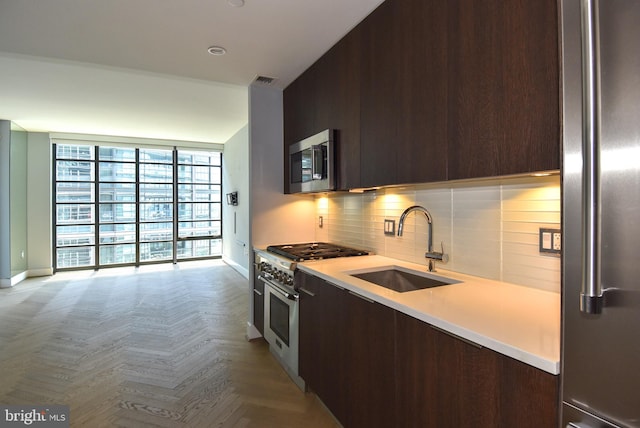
column 122, row 206
column 199, row 204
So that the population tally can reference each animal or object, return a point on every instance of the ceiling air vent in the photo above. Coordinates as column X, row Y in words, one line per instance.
column 264, row 80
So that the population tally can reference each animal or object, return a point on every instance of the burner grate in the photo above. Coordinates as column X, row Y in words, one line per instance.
column 314, row 251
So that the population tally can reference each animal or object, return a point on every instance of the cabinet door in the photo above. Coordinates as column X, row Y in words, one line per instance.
column 503, row 112
column 421, row 100
column 445, row 381
column 370, row 363
column 300, row 106
column 321, row 355
column 378, row 103
column 299, row 100
column 327, row 96
column 442, row 381
column 404, row 94
column 529, row 397
column 338, row 105
column 258, row 304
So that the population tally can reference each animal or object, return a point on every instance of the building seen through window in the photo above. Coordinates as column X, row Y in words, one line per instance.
column 119, row 205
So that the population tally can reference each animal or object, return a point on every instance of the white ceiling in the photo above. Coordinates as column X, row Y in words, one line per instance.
column 140, row 68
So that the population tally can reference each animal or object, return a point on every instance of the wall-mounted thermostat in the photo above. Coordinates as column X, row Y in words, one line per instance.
column 232, row 198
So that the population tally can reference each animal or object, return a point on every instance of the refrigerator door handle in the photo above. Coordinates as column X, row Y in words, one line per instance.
column 591, row 292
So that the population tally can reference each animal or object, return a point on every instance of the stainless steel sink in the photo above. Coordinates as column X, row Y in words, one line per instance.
column 402, row 280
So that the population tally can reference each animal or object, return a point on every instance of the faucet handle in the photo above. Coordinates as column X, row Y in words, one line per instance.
column 440, row 256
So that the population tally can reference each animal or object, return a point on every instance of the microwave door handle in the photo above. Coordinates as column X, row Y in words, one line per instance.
column 591, row 295
column 316, row 162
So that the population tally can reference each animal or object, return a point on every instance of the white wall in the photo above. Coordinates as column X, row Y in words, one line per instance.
column 18, row 198
column 5, row 217
column 276, row 218
column 235, row 232
column 39, row 233
column 488, row 229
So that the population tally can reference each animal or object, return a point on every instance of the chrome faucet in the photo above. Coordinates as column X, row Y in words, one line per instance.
column 431, row 255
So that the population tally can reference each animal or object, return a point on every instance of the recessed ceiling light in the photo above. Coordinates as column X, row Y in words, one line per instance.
column 216, row 50
column 236, row 3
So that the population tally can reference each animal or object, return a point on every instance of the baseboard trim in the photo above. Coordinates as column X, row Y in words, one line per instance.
column 240, row 269
column 40, row 272
column 252, row 332
column 16, row 279
column 10, row 282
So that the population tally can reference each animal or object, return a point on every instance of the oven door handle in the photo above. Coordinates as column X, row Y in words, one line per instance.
column 275, row 287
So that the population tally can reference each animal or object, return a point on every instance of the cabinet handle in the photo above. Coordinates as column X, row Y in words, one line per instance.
column 307, row 292
column 366, row 299
column 255, row 290
column 591, row 286
column 455, row 336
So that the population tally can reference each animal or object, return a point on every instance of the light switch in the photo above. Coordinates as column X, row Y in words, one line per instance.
column 550, row 241
column 389, row 227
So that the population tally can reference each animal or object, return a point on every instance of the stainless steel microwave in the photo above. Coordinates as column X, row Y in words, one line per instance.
column 312, row 164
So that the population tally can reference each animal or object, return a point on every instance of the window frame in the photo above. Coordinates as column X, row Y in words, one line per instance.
column 163, row 176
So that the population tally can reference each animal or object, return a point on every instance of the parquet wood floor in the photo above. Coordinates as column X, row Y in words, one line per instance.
column 156, row 346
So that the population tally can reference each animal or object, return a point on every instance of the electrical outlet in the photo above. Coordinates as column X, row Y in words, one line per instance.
column 557, row 241
column 550, row 241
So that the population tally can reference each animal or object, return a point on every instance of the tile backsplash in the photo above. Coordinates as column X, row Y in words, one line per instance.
column 489, row 229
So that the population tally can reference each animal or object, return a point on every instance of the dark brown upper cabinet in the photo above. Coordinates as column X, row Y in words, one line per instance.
column 327, row 96
column 379, row 91
column 503, row 86
column 421, row 141
column 404, row 100
column 430, row 90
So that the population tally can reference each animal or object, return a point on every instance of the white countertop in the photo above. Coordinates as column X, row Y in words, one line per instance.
column 517, row 321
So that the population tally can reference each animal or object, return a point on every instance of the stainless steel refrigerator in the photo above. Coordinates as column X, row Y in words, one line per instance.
column 601, row 213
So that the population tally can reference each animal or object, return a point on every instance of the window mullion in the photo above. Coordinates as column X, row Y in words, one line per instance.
column 96, row 206
column 175, row 205
column 138, row 206
column 54, row 168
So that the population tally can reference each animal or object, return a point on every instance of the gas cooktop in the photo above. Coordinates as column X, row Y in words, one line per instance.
column 314, row 251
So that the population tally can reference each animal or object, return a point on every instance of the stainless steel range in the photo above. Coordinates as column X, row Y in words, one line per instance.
column 276, row 266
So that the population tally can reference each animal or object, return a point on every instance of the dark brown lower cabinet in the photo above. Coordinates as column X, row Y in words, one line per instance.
column 370, row 360
column 373, row 366
column 322, row 347
column 443, row 381
column 258, row 304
